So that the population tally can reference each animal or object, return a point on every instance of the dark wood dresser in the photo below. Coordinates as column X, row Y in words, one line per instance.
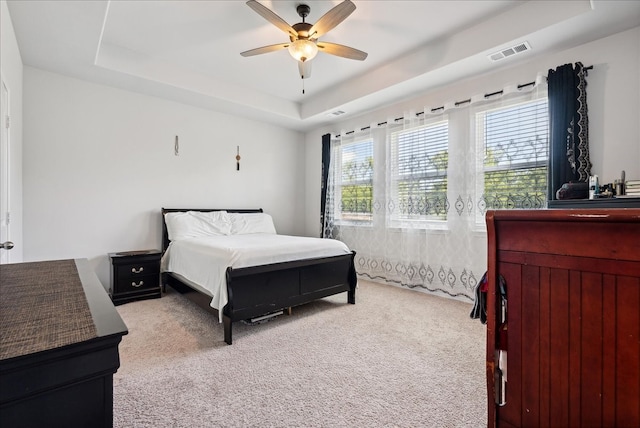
column 570, row 337
column 58, row 346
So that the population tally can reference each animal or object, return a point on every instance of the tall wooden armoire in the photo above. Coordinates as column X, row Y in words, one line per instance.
column 563, row 337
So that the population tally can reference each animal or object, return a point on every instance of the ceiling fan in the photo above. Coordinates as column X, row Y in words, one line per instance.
column 304, row 43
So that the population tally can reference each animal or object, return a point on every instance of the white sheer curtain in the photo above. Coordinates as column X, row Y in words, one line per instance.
column 411, row 208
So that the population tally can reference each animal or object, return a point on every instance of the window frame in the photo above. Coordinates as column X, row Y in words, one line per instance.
column 339, row 184
column 424, row 221
column 480, row 148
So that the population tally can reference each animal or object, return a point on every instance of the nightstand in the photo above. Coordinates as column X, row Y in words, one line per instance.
column 135, row 275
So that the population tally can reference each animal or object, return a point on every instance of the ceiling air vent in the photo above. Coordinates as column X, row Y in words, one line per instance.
column 336, row 113
column 513, row 50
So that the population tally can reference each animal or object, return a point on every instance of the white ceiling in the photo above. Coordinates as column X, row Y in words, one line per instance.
column 189, row 51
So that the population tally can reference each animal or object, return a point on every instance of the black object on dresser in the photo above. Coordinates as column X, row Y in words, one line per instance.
column 58, row 347
column 135, row 275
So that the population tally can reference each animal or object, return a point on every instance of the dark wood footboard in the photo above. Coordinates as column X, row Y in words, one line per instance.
column 260, row 290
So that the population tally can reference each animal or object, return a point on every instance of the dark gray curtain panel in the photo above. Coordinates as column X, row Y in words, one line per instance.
column 326, row 158
column 568, row 127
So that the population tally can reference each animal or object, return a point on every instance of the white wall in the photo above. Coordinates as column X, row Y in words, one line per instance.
column 613, row 96
column 99, row 164
column 11, row 69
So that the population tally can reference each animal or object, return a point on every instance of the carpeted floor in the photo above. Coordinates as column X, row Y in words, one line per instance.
column 398, row 358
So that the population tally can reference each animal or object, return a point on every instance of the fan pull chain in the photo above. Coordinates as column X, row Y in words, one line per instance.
column 303, row 86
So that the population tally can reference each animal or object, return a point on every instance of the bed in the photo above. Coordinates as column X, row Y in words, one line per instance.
column 233, row 263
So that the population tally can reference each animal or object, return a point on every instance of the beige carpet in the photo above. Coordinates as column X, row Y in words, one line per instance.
column 398, row 358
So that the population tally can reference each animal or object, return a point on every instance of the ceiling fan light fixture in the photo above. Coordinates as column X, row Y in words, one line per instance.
column 303, row 50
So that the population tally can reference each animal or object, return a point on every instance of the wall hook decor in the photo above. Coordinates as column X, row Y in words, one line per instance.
column 238, row 158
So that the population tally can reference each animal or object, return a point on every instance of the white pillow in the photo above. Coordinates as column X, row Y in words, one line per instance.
column 245, row 223
column 192, row 224
column 217, row 222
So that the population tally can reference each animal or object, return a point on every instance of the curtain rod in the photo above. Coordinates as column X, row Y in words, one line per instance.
column 457, row 103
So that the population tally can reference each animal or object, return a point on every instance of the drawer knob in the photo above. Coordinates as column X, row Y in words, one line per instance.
column 140, row 284
column 139, row 270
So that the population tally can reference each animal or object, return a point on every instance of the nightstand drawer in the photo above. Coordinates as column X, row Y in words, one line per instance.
column 137, row 269
column 138, row 283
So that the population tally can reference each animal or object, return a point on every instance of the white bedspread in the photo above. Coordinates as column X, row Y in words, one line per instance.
column 204, row 260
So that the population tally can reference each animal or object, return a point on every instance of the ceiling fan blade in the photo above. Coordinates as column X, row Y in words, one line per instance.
column 305, row 69
column 332, row 18
column 270, row 16
column 340, row 50
column 265, row 49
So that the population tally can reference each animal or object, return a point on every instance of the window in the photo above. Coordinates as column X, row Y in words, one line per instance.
column 354, row 187
column 419, row 161
column 514, row 145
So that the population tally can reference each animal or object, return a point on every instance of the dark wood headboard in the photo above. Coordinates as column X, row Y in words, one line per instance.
column 165, row 235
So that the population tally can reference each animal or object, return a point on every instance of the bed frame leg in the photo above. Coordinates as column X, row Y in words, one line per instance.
column 351, row 296
column 227, row 329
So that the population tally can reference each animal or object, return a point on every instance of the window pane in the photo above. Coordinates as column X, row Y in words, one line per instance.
column 356, row 180
column 515, row 155
column 420, row 159
column 516, row 188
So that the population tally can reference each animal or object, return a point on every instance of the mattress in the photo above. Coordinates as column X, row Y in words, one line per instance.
column 204, row 260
